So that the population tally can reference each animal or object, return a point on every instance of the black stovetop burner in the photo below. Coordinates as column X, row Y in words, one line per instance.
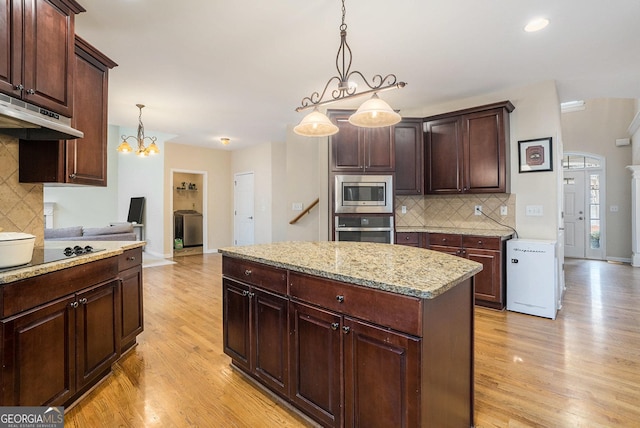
column 48, row 255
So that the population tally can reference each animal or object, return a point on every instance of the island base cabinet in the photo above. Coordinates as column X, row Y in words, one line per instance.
column 316, row 357
column 381, row 372
column 256, row 333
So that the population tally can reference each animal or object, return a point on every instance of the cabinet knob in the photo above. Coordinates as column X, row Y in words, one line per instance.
column 247, row 272
column 83, row 301
column 72, row 176
column 132, row 258
column 346, row 329
column 251, row 295
column 30, row 91
column 334, row 326
column 406, row 237
column 479, row 241
column 19, row 87
column 245, row 293
column 74, row 304
column 340, row 298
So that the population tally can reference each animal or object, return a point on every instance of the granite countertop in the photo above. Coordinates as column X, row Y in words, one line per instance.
column 502, row 233
column 396, row 268
column 112, row 248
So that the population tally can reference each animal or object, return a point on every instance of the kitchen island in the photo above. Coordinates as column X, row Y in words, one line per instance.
column 64, row 323
column 354, row 334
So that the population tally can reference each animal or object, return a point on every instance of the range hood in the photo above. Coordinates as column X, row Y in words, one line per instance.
column 29, row 122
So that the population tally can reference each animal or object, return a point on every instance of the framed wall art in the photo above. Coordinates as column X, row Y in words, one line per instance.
column 535, row 155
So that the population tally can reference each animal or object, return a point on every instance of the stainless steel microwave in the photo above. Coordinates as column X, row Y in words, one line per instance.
column 363, row 194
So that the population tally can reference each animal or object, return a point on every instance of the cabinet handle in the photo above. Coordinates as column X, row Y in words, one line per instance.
column 74, row 304
column 346, row 329
column 30, row 91
column 132, row 258
column 340, row 298
column 406, row 237
column 334, row 326
column 19, row 87
column 247, row 272
column 83, row 301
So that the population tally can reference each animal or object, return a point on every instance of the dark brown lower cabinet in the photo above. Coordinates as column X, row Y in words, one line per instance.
column 352, row 356
column 131, row 297
column 53, row 351
column 256, row 333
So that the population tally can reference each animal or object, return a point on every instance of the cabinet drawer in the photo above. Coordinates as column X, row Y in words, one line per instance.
column 267, row 277
column 391, row 310
column 408, row 238
column 130, row 258
column 482, row 242
column 445, row 239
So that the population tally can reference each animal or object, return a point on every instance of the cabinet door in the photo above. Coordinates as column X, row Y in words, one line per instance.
column 270, row 339
column 97, row 331
column 316, row 362
column 131, row 303
column 409, row 154
column 10, row 35
column 379, row 153
column 235, row 319
column 487, row 282
column 347, row 147
column 38, row 355
column 444, row 156
column 48, row 67
column 485, row 151
column 86, row 158
column 382, row 372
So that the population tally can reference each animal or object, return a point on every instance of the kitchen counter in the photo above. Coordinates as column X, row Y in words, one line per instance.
column 398, row 269
column 112, row 248
column 502, row 233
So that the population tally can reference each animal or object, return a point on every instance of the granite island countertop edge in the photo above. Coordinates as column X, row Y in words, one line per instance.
column 406, row 290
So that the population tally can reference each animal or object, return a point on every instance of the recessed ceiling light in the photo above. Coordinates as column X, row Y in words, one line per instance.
column 536, row 24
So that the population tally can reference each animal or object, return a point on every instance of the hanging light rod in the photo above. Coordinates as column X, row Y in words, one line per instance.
column 317, row 124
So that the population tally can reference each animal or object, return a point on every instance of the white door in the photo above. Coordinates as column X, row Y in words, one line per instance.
column 574, row 214
column 243, row 219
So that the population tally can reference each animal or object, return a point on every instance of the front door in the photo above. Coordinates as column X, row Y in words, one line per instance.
column 574, row 215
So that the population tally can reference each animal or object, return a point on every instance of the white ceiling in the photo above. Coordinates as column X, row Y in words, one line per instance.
column 238, row 68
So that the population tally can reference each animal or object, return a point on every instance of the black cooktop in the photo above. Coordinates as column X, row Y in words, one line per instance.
column 48, row 255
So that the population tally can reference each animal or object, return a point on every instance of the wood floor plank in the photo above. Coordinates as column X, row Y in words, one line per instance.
column 580, row 370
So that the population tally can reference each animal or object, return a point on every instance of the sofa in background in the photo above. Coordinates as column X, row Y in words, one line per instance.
column 118, row 232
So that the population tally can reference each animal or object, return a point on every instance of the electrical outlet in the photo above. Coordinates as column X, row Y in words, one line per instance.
column 404, row 209
column 503, row 210
column 296, row 206
column 478, row 210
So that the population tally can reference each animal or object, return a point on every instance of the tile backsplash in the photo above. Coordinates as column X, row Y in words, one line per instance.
column 456, row 211
column 21, row 205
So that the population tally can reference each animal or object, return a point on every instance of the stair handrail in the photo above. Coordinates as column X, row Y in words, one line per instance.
column 305, row 211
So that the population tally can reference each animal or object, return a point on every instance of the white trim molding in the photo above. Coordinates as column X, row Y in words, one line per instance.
column 635, row 215
column 635, row 124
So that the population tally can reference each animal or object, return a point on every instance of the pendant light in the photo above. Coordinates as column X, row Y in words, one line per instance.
column 373, row 113
column 315, row 124
column 141, row 151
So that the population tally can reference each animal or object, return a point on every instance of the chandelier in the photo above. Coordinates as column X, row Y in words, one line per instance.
column 141, row 151
column 373, row 113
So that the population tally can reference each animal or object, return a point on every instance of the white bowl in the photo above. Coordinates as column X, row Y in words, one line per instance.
column 16, row 248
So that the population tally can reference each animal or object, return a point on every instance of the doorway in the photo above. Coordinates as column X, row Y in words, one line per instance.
column 188, row 221
column 243, row 210
column 584, row 196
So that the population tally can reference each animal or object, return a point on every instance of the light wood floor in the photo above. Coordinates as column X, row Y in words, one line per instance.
column 581, row 370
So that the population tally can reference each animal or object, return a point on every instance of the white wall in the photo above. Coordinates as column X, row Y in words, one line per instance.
column 89, row 206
